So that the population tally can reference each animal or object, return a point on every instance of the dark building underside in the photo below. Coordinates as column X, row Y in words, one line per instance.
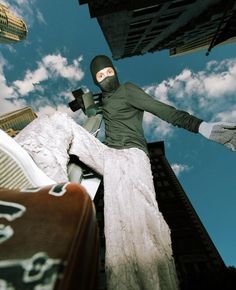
column 181, row 26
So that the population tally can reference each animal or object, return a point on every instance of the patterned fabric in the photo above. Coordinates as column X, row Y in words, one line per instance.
column 48, row 239
column 47, row 140
column 138, row 245
column 139, row 254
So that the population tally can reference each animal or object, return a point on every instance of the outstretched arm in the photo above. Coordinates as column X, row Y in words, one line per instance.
column 141, row 100
column 221, row 132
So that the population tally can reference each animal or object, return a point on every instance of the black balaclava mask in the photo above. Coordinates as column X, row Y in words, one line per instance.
column 110, row 84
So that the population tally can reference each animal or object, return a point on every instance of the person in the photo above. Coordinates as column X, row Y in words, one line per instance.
column 138, row 245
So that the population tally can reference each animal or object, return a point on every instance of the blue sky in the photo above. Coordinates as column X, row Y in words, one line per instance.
column 54, row 60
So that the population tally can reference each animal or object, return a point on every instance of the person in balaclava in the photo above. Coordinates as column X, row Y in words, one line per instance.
column 139, row 247
column 124, row 104
column 138, row 244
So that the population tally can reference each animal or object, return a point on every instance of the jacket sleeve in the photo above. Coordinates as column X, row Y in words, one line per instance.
column 137, row 98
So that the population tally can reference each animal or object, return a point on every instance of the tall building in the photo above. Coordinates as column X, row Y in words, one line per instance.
column 12, row 28
column 15, row 121
column 198, row 263
column 181, row 26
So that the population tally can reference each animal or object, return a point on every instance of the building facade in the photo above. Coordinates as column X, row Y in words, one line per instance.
column 15, row 121
column 12, row 28
column 137, row 27
column 198, row 263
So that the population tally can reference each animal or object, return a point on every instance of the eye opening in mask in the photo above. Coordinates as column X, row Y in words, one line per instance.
column 106, row 72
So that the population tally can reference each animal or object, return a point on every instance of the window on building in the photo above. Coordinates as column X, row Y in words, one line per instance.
column 144, row 43
column 166, row 194
column 179, row 3
column 149, row 39
column 139, row 24
column 166, row 183
column 136, row 32
column 129, row 43
column 169, row 17
column 202, row 266
column 133, row 38
column 160, row 26
column 160, row 194
column 158, row 183
column 190, row 269
column 155, row 174
column 153, row 35
column 129, row 49
column 146, row 10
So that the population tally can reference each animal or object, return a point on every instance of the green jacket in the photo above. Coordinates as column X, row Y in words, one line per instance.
column 123, row 116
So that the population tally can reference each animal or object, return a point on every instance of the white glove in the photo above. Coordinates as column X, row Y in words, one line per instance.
column 221, row 132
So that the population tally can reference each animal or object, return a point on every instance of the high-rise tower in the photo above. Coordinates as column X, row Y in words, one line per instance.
column 15, row 121
column 198, row 263
column 12, row 28
column 181, row 26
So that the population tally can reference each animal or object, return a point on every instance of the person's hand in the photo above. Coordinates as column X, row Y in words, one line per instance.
column 93, row 110
column 221, row 132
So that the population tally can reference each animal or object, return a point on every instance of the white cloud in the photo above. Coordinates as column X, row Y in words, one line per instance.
column 31, row 81
column 10, row 47
column 180, row 168
column 59, row 66
column 9, row 106
column 40, row 17
column 50, row 67
column 216, row 81
column 227, row 116
column 7, row 92
column 33, row 90
column 67, row 95
column 220, row 84
column 184, row 75
column 208, row 94
column 160, row 91
column 155, row 128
